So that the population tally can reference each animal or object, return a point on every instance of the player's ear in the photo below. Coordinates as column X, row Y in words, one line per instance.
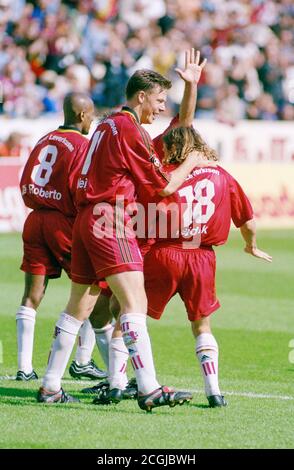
column 141, row 96
column 82, row 116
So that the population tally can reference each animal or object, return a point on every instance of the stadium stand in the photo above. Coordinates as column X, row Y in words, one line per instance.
column 51, row 47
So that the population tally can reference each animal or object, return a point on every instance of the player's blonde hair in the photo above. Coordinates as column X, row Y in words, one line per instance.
column 181, row 141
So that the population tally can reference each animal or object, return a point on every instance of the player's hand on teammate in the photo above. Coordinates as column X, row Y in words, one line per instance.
column 193, row 68
column 254, row 251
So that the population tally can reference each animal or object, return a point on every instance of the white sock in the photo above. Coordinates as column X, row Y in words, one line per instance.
column 25, row 326
column 66, row 331
column 136, row 339
column 103, row 337
column 86, row 343
column 118, row 359
column 207, row 353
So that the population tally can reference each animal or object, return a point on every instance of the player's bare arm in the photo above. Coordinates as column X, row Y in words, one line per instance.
column 178, row 176
column 248, row 231
column 191, row 76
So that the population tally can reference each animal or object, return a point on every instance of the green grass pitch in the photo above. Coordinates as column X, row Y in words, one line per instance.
column 254, row 328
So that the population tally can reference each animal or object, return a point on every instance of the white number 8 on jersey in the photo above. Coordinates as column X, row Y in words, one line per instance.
column 41, row 173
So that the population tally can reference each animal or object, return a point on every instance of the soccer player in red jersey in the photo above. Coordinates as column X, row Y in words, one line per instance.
column 48, row 187
column 110, row 342
column 120, row 158
column 198, row 216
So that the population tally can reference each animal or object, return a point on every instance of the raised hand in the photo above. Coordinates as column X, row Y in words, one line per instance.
column 193, row 69
column 258, row 253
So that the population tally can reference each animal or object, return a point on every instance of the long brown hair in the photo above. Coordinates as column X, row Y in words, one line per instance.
column 181, row 141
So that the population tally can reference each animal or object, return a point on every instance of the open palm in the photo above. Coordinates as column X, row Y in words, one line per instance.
column 258, row 253
column 193, row 68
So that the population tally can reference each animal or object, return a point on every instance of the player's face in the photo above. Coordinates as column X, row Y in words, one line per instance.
column 88, row 118
column 153, row 104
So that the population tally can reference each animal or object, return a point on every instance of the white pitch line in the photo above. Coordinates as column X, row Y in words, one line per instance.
column 200, row 392
column 251, row 395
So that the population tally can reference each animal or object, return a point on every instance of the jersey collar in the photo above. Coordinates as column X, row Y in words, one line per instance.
column 69, row 129
column 126, row 109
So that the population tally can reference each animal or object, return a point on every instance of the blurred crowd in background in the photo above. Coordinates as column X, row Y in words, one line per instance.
column 51, row 47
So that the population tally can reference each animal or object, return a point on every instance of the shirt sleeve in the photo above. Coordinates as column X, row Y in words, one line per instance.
column 241, row 208
column 142, row 161
column 75, row 169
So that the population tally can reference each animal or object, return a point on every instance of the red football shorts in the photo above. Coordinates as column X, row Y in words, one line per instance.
column 145, row 246
column 191, row 273
column 96, row 256
column 47, row 239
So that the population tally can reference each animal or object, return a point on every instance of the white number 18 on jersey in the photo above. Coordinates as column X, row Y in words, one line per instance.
column 192, row 195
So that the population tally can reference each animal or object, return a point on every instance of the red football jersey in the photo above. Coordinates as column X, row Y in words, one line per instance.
column 201, row 210
column 120, row 158
column 50, row 175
